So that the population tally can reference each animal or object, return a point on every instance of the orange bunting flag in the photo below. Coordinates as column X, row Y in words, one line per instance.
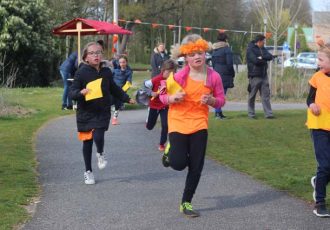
column 188, row 28
column 206, row 29
column 154, row 25
column 268, row 35
column 115, row 38
column 137, row 21
column 171, row 27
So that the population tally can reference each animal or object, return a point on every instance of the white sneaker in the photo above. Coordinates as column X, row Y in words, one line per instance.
column 89, row 177
column 101, row 161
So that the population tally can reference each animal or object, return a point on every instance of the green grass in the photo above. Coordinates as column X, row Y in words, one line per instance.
column 18, row 182
column 278, row 152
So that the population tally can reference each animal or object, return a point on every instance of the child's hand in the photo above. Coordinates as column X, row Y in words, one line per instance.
column 315, row 109
column 84, row 91
column 132, row 101
column 207, row 99
column 154, row 94
column 176, row 98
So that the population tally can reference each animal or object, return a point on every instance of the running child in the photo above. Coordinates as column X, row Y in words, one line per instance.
column 201, row 87
column 156, row 107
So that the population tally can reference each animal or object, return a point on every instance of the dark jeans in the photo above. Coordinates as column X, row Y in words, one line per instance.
column 188, row 150
column 321, row 141
column 152, row 119
column 66, row 100
column 219, row 110
column 98, row 138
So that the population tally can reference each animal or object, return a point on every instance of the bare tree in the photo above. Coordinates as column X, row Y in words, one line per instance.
column 279, row 15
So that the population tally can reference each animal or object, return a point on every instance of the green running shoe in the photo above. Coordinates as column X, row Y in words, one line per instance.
column 187, row 209
column 165, row 160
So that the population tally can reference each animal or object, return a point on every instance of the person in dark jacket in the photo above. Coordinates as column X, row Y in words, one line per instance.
column 93, row 112
column 222, row 62
column 257, row 57
column 121, row 75
column 158, row 56
column 67, row 71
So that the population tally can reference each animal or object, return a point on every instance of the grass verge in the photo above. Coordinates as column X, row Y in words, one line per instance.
column 18, row 180
column 278, row 151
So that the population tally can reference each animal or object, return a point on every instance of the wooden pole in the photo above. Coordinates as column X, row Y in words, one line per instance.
column 79, row 26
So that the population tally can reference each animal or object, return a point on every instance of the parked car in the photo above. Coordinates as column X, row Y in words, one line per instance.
column 181, row 60
column 302, row 63
column 308, row 57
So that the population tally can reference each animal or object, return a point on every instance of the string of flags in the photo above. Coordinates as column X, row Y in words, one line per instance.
column 189, row 28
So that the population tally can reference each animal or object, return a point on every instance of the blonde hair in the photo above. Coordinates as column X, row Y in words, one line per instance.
column 325, row 48
column 188, row 39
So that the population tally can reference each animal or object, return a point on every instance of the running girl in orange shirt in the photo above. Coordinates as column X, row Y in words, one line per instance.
column 201, row 87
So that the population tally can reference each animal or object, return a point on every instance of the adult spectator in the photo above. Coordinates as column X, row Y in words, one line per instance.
column 257, row 57
column 222, row 62
column 158, row 56
column 67, row 71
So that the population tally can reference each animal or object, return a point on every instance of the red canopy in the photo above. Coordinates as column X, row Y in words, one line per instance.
column 88, row 27
column 81, row 26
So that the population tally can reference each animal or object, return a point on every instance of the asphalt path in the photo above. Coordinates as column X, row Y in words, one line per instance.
column 136, row 192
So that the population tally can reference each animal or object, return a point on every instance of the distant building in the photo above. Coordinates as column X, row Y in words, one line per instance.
column 321, row 26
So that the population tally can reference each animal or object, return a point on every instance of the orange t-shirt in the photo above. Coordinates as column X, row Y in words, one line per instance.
column 322, row 83
column 190, row 115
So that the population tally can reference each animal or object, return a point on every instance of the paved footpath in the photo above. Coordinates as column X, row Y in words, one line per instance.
column 136, row 192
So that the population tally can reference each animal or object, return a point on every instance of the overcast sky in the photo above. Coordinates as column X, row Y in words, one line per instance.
column 320, row 5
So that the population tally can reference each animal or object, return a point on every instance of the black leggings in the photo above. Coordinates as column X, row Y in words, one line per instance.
column 118, row 103
column 98, row 138
column 188, row 150
column 152, row 119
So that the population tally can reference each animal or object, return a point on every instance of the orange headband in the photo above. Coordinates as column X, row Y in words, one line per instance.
column 191, row 47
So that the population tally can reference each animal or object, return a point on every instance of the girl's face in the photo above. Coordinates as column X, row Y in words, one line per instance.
column 167, row 72
column 196, row 60
column 94, row 55
column 122, row 63
column 323, row 62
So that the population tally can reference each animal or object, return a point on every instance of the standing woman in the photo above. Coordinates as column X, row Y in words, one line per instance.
column 93, row 104
column 222, row 62
column 158, row 56
column 201, row 87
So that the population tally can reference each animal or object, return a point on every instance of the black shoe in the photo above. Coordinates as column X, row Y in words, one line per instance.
column 270, row 117
column 165, row 160
column 187, row 209
column 64, row 107
column 320, row 210
column 222, row 116
column 70, row 107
